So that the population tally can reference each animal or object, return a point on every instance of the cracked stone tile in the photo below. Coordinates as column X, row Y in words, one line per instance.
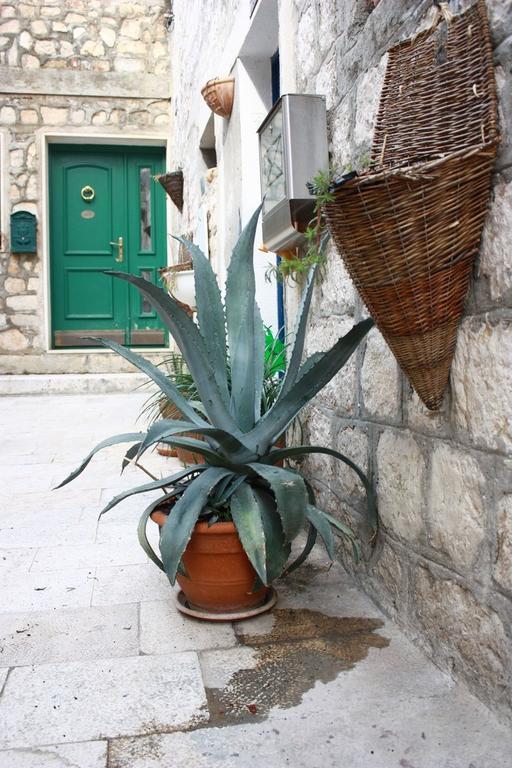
column 163, row 629
column 130, row 583
column 90, row 700
column 71, row 588
column 40, row 637
column 89, row 754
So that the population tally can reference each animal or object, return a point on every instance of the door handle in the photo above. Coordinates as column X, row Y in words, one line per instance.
column 120, row 244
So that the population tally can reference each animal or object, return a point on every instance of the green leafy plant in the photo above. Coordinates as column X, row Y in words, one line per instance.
column 239, row 479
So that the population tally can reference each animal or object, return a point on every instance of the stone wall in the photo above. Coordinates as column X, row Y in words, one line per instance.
column 73, row 68
column 443, row 565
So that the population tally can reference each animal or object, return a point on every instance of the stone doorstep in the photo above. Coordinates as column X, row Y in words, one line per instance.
column 70, row 383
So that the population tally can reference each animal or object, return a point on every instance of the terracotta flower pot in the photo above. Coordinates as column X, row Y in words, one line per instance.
column 219, row 95
column 221, row 577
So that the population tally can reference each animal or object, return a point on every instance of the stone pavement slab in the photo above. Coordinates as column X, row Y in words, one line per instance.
column 89, row 700
column 70, row 588
column 130, row 583
column 88, row 754
column 163, row 629
column 324, row 680
column 69, row 635
column 86, row 555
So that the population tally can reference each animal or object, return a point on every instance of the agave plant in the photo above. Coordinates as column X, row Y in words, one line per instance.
column 159, row 404
column 268, row 504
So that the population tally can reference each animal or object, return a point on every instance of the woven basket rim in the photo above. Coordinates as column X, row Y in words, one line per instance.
column 415, row 171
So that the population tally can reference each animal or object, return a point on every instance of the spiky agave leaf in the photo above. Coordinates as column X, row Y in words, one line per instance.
column 210, row 315
column 178, row 528
column 246, row 335
column 275, row 421
column 191, row 343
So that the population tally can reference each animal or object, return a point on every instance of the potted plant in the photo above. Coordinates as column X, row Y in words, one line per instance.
column 237, row 499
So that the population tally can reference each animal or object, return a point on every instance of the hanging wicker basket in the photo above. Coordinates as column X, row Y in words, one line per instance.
column 219, row 95
column 173, row 184
column 409, row 229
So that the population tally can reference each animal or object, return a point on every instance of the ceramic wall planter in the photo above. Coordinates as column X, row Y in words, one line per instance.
column 179, row 281
column 219, row 94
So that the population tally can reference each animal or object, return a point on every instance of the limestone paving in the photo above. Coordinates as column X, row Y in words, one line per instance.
column 99, row 670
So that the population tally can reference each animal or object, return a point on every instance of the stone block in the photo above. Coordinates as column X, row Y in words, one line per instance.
column 77, row 116
column 11, row 27
column 481, row 382
column 59, row 26
column 496, row 257
column 22, row 303
column 340, row 393
column 380, row 380
column 368, row 92
column 15, row 284
column 125, row 64
column 50, row 11
column 29, row 116
column 75, row 18
column 468, row 634
column 352, row 442
column 503, row 566
column 132, row 47
column 421, row 419
column 161, row 120
column 25, row 40
column 42, row 637
column 45, row 47
column 307, row 50
column 25, row 321
column 387, row 577
column 163, row 629
column 13, row 340
column 89, row 700
column 89, row 754
column 7, row 115
column 39, row 28
column 108, row 36
column 457, row 513
column 92, row 48
column 30, row 62
column 131, row 28
column 401, row 484
column 54, row 115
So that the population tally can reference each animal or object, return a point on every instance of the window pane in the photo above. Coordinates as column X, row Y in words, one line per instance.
column 146, row 308
column 145, row 209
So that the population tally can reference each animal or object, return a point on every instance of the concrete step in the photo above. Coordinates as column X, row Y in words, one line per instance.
column 70, row 383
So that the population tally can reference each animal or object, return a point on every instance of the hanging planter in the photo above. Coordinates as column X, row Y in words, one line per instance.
column 409, row 228
column 219, row 94
column 173, row 184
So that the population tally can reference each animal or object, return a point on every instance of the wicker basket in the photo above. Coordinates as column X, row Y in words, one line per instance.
column 409, row 229
column 173, row 184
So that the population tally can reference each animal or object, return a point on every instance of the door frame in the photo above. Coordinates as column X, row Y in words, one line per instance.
column 44, row 139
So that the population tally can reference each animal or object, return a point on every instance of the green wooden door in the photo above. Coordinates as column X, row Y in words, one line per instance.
column 106, row 212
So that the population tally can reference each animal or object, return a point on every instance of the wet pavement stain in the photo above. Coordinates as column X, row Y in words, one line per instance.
column 302, row 647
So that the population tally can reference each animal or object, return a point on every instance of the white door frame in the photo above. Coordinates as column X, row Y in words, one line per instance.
column 44, row 138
